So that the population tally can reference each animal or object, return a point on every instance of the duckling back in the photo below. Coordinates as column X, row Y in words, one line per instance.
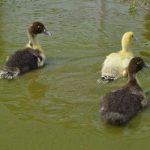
column 20, row 62
column 118, row 107
column 115, row 66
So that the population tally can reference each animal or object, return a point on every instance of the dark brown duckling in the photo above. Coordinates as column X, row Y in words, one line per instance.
column 119, row 106
column 29, row 58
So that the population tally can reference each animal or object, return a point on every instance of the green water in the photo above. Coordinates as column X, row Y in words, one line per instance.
column 57, row 107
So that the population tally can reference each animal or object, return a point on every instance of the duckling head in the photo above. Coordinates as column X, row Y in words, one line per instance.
column 127, row 38
column 136, row 64
column 38, row 28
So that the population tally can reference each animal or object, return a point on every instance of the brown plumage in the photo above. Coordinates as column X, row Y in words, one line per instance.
column 27, row 59
column 119, row 106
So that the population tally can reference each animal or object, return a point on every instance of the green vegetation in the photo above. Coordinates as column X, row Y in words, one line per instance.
column 145, row 4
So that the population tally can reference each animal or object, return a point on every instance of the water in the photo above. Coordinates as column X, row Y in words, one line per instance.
column 57, row 107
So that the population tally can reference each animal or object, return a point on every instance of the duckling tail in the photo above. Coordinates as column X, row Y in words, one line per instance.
column 115, row 118
column 106, row 79
column 9, row 73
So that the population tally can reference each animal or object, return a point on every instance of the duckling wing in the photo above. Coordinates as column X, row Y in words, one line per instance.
column 114, row 66
column 25, row 60
column 111, row 65
column 122, row 101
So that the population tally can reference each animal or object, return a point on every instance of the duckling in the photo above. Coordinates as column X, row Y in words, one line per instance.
column 115, row 65
column 29, row 58
column 119, row 106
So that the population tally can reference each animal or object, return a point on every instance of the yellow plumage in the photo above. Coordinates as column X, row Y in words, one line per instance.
column 115, row 64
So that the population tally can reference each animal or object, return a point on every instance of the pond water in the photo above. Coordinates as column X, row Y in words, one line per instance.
column 57, row 107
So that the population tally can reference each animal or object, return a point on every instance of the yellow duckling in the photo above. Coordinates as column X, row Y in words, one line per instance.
column 116, row 64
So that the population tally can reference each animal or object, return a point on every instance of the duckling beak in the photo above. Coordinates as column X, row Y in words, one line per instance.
column 46, row 32
column 146, row 65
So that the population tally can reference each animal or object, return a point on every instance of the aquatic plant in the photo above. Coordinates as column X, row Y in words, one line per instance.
column 133, row 4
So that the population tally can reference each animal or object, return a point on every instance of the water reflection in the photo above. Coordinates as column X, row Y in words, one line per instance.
column 146, row 34
column 2, row 41
column 147, row 27
column 102, row 13
column 29, row 102
column 37, row 89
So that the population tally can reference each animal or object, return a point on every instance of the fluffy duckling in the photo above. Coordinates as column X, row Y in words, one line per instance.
column 115, row 64
column 119, row 106
column 29, row 58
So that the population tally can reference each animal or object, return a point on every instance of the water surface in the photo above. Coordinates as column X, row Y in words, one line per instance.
column 57, row 107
